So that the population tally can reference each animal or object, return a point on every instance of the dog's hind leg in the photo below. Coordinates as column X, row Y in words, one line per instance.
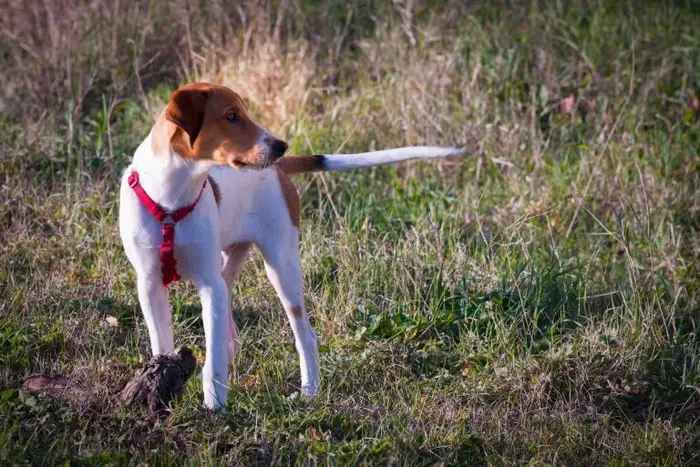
column 234, row 257
column 283, row 267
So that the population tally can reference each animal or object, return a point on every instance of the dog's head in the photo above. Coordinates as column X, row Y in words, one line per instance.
column 212, row 124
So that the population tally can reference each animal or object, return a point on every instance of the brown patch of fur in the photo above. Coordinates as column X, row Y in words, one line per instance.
column 179, row 143
column 291, row 197
column 215, row 188
column 293, row 165
column 162, row 134
column 200, row 111
column 188, row 107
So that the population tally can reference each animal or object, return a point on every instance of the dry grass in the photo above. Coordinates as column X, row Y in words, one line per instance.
column 535, row 302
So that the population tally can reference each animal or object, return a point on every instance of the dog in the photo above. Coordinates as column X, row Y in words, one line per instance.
column 205, row 186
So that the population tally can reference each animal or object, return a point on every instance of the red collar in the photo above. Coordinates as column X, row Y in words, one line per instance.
column 167, row 245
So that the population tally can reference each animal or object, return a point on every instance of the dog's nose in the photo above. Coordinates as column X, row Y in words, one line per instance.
column 279, row 147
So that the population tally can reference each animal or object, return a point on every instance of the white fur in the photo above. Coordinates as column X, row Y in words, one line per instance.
column 252, row 209
column 387, row 156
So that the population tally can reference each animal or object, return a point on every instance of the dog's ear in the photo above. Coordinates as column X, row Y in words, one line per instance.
column 186, row 108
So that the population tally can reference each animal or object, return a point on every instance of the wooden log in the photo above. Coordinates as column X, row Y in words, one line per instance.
column 160, row 382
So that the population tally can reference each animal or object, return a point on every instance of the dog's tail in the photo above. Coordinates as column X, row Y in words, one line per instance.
column 331, row 162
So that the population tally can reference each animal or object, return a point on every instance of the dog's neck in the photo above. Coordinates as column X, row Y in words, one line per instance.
column 169, row 179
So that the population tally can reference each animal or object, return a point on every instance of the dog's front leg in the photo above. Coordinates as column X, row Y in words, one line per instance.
column 215, row 315
column 153, row 298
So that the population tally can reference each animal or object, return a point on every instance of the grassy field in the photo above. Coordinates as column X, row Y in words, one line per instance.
column 534, row 302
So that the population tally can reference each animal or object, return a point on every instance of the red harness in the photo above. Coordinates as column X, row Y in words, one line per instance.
column 167, row 245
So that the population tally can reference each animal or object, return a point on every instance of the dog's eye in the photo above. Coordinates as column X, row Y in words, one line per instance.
column 232, row 117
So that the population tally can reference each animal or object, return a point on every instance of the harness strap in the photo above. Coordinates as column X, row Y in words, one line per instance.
column 167, row 245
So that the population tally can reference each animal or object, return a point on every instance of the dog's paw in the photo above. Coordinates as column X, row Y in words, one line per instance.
column 214, row 401
column 309, row 391
column 300, row 396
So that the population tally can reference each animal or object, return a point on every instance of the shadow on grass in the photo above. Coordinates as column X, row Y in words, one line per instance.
column 21, row 344
column 538, row 306
column 666, row 388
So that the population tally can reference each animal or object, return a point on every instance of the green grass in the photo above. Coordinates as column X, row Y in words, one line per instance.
column 535, row 302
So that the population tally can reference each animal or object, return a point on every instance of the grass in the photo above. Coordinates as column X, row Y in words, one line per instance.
column 535, row 302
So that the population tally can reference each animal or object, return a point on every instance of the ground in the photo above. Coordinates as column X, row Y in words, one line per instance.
column 533, row 302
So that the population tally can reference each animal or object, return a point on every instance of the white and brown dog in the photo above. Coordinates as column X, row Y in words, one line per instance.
column 204, row 187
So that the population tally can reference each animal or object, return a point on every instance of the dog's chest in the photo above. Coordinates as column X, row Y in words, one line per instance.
column 139, row 227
